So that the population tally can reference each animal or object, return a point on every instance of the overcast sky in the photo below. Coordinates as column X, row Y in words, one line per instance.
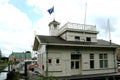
column 21, row 19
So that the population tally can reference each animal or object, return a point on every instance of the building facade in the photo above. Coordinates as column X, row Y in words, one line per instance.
column 20, row 56
column 73, row 50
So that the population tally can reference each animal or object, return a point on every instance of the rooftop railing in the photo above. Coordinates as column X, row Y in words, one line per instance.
column 78, row 27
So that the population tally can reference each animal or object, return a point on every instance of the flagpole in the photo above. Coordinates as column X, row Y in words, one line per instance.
column 85, row 14
column 54, row 13
column 85, row 20
column 108, row 24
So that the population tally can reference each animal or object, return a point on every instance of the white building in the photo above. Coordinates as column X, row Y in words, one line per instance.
column 74, row 49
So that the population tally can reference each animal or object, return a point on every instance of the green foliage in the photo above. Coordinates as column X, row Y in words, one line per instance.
column 10, row 62
column 3, row 65
column 13, row 76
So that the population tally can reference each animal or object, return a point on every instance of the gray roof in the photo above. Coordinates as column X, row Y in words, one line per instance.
column 55, row 40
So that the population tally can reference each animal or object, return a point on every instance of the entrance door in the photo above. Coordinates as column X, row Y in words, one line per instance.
column 75, row 64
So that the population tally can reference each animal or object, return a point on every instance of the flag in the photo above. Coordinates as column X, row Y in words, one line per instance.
column 51, row 10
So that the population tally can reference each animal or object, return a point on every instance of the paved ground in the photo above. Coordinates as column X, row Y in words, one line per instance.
column 33, row 75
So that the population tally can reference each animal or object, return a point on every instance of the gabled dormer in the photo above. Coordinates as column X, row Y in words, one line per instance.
column 53, row 28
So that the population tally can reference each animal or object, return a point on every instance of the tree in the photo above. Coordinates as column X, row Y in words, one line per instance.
column 0, row 53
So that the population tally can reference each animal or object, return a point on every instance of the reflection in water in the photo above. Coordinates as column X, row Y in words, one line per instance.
column 3, row 75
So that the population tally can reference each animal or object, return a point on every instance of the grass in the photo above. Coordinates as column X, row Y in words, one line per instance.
column 3, row 65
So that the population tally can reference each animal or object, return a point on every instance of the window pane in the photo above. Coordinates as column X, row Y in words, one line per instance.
column 91, row 56
column 91, row 63
column 105, row 63
column 77, row 38
column 75, row 56
column 105, row 56
column 49, row 60
column 77, row 65
column 100, row 56
column 72, row 64
column 101, row 63
column 57, row 61
column 88, row 39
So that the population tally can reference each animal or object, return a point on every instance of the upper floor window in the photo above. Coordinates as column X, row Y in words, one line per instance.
column 88, row 39
column 77, row 38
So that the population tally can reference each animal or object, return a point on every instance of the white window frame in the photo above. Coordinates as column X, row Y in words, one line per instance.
column 103, row 60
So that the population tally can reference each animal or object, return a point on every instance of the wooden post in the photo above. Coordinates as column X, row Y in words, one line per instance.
column 25, row 69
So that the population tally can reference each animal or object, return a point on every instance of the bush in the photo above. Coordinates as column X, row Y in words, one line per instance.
column 12, row 75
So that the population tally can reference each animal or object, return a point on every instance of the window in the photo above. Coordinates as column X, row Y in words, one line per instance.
column 55, row 25
column 91, row 64
column 88, row 39
column 57, row 61
column 75, row 61
column 74, row 56
column 49, row 61
column 91, row 56
column 77, row 38
column 103, row 60
column 74, row 64
column 91, row 61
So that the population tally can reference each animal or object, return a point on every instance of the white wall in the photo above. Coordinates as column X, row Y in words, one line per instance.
column 42, row 57
column 70, row 36
column 64, row 54
column 97, row 70
column 63, row 68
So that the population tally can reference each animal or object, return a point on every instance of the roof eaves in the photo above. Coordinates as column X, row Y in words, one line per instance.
column 38, row 38
column 36, row 42
column 105, row 46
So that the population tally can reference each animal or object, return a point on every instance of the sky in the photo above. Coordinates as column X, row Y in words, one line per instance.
column 20, row 20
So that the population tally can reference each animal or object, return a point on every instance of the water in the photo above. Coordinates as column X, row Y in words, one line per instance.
column 3, row 75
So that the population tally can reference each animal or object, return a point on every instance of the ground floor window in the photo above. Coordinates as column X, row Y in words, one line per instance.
column 103, row 60
column 50, row 61
column 91, row 61
column 91, row 64
column 57, row 61
column 75, row 61
column 74, row 64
